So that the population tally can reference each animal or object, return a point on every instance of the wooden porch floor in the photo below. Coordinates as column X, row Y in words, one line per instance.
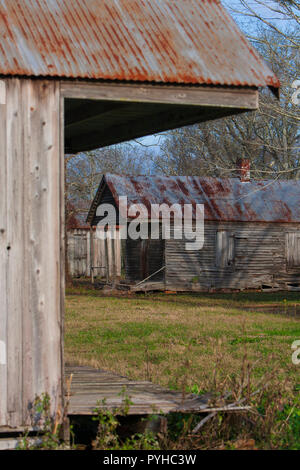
column 90, row 387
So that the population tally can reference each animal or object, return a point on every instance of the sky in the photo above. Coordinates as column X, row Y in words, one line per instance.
column 261, row 7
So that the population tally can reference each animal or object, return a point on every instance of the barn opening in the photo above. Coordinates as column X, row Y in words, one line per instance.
column 97, row 114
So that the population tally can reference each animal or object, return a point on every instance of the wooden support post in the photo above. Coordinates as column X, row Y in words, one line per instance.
column 30, row 249
column 3, row 257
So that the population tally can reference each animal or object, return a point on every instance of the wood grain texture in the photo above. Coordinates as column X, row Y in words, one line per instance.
column 3, row 261
column 62, row 234
column 293, row 249
column 185, row 95
column 42, row 362
column 15, row 294
column 30, row 213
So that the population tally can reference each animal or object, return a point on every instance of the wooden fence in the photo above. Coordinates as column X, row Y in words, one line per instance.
column 89, row 255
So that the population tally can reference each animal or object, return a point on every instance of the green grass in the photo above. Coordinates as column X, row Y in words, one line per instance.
column 199, row 342
column 153, row 336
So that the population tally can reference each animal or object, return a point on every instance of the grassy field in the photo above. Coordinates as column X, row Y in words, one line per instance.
column 177, row 340
column 237, row 342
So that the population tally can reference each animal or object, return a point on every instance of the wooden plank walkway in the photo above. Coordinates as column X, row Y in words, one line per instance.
column 90, row 386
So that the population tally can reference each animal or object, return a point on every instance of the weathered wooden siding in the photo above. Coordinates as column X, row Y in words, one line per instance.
column 30, row 243
column 79, row 254
column 259, row 259
column 114, row 255
column 79, row 249
column 3, row 257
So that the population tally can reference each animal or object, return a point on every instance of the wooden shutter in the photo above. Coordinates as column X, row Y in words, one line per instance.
column 293, row 249
column 224, row 249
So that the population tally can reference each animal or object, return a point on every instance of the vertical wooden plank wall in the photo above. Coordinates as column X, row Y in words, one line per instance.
column 99, row 255
column 86, row 250
column 30, row 248
column 3, row 257
column 15, row 294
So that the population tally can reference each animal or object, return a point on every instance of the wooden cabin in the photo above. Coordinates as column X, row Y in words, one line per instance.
column 76, row 76
column 251, row 233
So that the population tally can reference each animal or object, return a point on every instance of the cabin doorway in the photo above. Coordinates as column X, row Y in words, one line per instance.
column 98, row 115
column 145, row 260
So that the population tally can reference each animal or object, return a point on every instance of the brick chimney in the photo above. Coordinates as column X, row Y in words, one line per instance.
column 243, row 168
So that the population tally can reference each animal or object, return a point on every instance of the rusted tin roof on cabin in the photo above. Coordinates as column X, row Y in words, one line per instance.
column 168, row 41
column 224, row 199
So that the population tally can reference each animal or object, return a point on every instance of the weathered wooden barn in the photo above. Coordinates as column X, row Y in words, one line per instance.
column 251, row 232
column 75, row 76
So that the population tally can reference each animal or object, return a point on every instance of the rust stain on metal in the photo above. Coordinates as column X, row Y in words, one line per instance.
column 224, row 199
column 167, row 41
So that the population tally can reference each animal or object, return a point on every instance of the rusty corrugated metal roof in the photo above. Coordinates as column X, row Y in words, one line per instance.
column 169, row 41
column 224, row 199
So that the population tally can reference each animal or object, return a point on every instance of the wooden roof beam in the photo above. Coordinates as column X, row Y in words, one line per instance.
column 221, row 96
